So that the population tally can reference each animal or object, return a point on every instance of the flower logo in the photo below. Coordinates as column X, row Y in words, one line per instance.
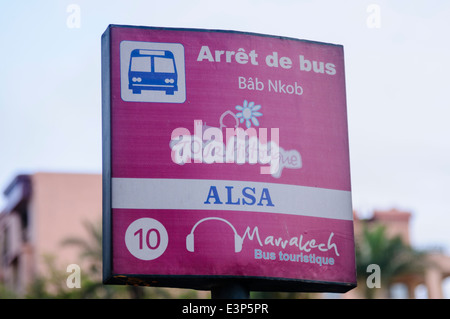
column 248, row 113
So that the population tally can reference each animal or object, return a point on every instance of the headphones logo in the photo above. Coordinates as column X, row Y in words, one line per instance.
column 237, row 239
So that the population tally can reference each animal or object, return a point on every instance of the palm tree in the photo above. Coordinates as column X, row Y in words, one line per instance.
column 392, row 255
column 91, row 250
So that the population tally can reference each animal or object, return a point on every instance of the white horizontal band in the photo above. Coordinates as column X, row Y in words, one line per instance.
column 191, row 194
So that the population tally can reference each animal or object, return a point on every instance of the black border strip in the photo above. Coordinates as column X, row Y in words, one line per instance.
column 106, row 155
column 252, row 283
column 220, row 31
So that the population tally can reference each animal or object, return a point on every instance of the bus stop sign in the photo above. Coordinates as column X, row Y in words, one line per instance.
column 225, row 157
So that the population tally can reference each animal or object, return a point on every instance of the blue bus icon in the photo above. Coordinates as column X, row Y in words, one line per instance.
column 152, row 70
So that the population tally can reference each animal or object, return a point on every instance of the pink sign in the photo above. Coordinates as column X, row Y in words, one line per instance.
column 225, row 156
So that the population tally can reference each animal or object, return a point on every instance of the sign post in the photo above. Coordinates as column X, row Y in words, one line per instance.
column 230, row 291
column 225, row 160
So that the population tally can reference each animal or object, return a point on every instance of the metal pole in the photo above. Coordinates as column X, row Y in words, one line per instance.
column 230, row 291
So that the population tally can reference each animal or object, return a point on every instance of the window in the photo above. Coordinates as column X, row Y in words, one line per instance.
column 4, row 244
column 141, row 64
column 164, row 65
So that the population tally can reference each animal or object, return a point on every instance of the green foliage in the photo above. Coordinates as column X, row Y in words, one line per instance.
column 92, row 286
column 392, row 255
column 5, row 293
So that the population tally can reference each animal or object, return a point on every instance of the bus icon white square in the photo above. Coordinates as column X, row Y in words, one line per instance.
column 152, row 72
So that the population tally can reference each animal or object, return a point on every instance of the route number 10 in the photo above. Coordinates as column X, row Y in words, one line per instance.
column 146, row 238
column 149, row 239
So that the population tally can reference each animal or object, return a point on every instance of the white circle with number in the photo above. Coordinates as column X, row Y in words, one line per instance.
column 146, row 238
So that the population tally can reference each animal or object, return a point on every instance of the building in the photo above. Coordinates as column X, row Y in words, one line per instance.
column 44, row 209
column 397, row 223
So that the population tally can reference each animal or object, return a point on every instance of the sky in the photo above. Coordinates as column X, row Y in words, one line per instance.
column 397, row 82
